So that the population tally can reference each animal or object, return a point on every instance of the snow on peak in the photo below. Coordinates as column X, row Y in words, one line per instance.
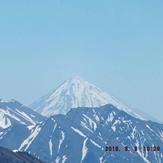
column 74, row 92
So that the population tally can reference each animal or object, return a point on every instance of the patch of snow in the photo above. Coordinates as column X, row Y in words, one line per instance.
column 110, row 117
column 78, row 131
column 51, row 147
column 97, row 118
column 97, row 145
column 83, row 124
column 141, row 154
column 61, row 140
column 4, row 121
column 30, row 127
column 149, row 128
column 114, row 125
column 101, row 159
column 161, row 135
column 64, row 158
column 113, row 128
column 33, row 116
column 84, row 150
column 27, row 142
column 133, row 133
column 11, row 115
column 25, row 116
column 57, row 159
column 92, row 124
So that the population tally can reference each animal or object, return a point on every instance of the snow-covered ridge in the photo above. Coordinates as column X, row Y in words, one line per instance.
column 14, row 112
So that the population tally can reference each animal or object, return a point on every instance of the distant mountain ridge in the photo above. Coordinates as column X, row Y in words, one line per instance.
column 73, row 93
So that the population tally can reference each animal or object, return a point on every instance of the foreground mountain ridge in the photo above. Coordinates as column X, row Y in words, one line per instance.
column 82, row 135
column 8, row 156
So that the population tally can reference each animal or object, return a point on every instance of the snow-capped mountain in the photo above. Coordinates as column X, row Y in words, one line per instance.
column 82, row 135
column 14, row 112
column 74, row 93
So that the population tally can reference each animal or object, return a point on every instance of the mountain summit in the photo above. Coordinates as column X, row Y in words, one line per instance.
column 73, row 93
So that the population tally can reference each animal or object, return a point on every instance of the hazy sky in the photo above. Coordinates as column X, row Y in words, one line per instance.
column 117, row 45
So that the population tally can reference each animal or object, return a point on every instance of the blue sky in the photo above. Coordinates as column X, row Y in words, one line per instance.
column 116, row 45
